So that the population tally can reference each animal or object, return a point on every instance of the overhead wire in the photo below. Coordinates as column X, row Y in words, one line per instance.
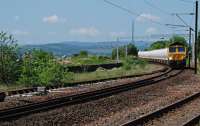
column 192, row 20
column 187, row 1
column 156, row 7
column 122, row 8
column 153, row 6
column 182, row 20
column 164, row 11
column 131, row 12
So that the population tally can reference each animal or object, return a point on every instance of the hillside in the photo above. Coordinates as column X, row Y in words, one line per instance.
column 69, row 48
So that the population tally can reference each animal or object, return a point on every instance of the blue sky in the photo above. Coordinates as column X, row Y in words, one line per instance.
column 48, row 21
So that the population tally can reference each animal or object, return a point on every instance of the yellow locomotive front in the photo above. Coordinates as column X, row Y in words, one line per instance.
column 177, row 55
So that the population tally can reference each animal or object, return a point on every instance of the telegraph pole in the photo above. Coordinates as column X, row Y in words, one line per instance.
column 117, row 51
column 133, row 28
column 126, row 50
column 190, row 47
column 196, row 36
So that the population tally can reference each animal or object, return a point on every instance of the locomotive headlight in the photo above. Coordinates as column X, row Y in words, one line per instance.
column 170, row 58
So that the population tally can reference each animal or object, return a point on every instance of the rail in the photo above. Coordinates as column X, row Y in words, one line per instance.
column 16, row 112
column 157, row 113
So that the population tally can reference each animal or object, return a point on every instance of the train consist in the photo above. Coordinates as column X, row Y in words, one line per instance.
column 175, row 55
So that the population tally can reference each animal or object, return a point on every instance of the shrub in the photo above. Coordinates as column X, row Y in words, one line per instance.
column 9, row 60
column 83, row 54
column 40, row 68
column 131, row 63
column 131, row 51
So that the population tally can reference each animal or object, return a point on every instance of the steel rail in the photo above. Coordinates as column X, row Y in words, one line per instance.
column 34, row 89
column 157, row 113
column 192, row 122
column 16, row 112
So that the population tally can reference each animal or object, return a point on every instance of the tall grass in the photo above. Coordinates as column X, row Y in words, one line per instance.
column 130, row 68
column 89, row 60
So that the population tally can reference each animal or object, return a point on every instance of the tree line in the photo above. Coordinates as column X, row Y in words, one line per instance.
column 33, row 68
column 165, row 43
column 131, row 51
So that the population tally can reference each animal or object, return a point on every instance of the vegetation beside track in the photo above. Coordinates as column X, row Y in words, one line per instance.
column 165, row 43
column 40, row 68
column 83, row 58
column 130, row 67
column 131, row 51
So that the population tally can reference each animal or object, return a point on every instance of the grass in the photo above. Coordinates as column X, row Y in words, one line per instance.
column 130, row 66
column 11, row 87
column 88, row 60
column 116, row 72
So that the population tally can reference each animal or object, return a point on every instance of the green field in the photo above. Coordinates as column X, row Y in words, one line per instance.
column 116, row 72
column 130, row 67
column 10, row 87
column 89, row 60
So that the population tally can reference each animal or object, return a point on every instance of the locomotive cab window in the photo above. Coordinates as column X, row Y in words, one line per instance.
column 172, row 49
column 181, row 49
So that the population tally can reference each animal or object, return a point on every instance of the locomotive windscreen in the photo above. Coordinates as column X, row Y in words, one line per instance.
column 181, row 49
column 172, row 49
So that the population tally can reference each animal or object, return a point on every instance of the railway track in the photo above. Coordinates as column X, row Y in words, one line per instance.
column 16, row 112
column 195, row 121
column 34, row 89
column 159, row 113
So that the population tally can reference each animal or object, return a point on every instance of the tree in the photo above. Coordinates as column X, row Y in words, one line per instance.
column 83, row 53
column 9, row 62
column 178, row 39
column 158, row 45
column 166, row 43
column 131, row 51
column 41, row 68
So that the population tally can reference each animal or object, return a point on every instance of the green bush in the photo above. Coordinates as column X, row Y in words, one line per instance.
column 166, row 43
column 132, row 62
column 158, row 45
column 40, row 68
column 83, row 54
column 91, row 59
column 178, row 39
column 9, row 60
column 131, row 51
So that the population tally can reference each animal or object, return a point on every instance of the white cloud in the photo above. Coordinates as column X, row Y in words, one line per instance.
column 90, row 31
column 20, row 33
column 151, row 30
column 118, row 34
column 143, row 17
column 53, row 19
column 16, row 18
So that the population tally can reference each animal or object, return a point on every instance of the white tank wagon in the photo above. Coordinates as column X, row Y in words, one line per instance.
column 175, row 55
column 160, row 54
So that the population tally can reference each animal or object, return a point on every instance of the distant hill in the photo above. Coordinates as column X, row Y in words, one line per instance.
column 69, row 48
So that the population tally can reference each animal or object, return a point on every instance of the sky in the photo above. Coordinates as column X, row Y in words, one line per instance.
column 51, row 21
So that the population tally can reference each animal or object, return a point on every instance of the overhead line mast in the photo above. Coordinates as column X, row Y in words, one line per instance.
column 196, row 36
